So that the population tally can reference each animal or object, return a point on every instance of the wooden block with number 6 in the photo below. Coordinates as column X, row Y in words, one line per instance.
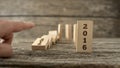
column 84, row 36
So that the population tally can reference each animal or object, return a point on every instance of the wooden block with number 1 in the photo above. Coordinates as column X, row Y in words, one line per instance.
column 84, row 36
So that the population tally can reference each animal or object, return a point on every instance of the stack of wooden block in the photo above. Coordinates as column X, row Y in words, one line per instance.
column 80, row 33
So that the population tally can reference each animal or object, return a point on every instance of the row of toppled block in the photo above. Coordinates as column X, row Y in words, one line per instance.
column 46, row 41
column 80, row 33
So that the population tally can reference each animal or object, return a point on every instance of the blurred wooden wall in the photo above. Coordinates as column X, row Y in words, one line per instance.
column 46, row 14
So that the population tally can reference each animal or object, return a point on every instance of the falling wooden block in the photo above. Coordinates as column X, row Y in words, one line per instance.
column 41, row 43
column 54, row 35
column 36, row 44
column 45, row 42
column 59, row 31
column 84, row 36
column 74, row 32
column 50, row 40
column 68, row 32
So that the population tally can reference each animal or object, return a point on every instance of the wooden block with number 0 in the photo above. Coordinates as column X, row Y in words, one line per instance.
column 84, row 36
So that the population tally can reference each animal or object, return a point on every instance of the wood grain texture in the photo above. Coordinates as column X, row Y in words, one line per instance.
column 75, row 8
column 103, row 27
column 106, row 54
column 48, row 13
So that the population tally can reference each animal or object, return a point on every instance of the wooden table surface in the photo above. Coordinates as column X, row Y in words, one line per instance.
column 106, row 54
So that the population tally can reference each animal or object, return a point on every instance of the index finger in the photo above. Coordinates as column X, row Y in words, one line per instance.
column 19, row 26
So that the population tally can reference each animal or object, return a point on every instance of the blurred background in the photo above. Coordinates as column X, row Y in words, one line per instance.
column 46, row 14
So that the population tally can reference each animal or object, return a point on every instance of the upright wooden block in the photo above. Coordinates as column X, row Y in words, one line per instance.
column 60, row 31
column 74, row 32
column 54, row 35
column 68, row 32
column 84, row 36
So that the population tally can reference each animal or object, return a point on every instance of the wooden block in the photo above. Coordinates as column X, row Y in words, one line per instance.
column 74, row 32
column 45, row 42
column 50, row 40
column 41, row 43
column 84, row 36
column 36, row 44
column 59, row 31
column 37, row 41
column 68, row 32
column 54, row 35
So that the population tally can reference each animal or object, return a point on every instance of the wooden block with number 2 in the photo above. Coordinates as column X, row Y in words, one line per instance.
column 84, row 36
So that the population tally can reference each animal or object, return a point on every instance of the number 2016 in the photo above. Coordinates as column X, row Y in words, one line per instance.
column 84, row 34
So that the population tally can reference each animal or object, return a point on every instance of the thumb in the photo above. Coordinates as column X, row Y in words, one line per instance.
column 5, row 50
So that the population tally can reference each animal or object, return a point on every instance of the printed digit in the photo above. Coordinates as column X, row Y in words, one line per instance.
column 85, row 33
column 85, row 40
column 84, row 47
column 85, row 26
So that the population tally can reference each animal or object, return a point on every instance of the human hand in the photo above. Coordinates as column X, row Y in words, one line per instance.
column 7, row 28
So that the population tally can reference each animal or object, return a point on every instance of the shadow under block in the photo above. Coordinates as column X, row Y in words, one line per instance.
column 68, row 32
column 84, row 36
column 41, row 43
column 60, row 26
